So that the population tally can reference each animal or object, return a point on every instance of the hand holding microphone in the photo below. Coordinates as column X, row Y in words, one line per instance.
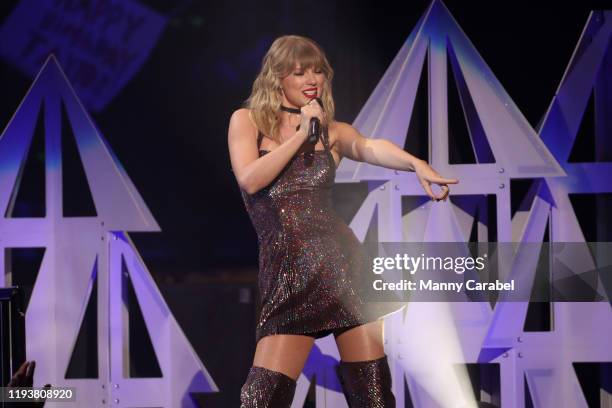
column 312, row 114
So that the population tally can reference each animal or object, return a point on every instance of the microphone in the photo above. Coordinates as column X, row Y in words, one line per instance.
column 314, row 128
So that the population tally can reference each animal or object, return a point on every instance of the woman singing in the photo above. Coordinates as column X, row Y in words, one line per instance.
column 309, row 259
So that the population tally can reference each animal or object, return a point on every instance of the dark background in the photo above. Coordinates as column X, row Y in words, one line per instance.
column 168, row 127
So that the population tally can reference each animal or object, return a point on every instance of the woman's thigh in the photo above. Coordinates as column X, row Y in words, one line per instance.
column 285, row 353
column 362, row 343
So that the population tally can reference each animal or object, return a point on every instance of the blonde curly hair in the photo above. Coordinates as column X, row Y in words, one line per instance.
column 282, row 57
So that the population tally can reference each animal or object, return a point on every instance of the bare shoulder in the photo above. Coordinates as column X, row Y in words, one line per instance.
column 241, row 125
column 337, row 126
column 337, row 130
column 242, row 116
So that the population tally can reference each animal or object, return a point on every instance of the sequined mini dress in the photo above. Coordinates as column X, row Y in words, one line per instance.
column 309, row 259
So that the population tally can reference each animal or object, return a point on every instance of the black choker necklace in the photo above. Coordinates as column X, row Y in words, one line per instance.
column 291, row 110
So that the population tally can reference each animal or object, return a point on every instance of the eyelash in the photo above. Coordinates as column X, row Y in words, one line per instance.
column 301, row 73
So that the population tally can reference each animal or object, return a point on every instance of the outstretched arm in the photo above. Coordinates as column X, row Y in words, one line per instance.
column 381, row 152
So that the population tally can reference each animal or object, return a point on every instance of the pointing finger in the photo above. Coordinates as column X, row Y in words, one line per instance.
column 442, row 180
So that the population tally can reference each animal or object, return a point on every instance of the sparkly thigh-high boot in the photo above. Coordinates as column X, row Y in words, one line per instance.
column 267, row 389
column 367, row 384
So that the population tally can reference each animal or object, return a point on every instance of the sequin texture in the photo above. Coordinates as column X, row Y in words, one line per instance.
column 367, row 384
column 267, row 389
column 309, row 259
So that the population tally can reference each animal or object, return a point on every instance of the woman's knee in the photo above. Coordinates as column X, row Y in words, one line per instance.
column 284, row 353
column 361, row 343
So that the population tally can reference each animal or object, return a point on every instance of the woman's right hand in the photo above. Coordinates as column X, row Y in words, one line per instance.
column 311, row 110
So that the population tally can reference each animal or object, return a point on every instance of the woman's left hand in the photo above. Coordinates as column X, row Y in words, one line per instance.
column 428, row 175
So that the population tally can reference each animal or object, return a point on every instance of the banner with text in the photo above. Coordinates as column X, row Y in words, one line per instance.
column 100, row 44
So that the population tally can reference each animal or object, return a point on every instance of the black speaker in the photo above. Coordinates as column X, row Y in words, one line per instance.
column 12, row 332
